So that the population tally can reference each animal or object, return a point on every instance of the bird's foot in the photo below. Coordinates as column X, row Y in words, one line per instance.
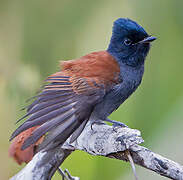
column 66, row 175
column 116, row 124
column 97, row 122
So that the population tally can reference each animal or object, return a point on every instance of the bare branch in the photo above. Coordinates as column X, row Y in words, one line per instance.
column 102, row 140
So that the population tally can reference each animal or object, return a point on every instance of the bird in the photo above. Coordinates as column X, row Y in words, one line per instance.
column 85, row 89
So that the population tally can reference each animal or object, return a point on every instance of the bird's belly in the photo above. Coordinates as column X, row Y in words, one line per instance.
column 130, row 80
column 114, row 99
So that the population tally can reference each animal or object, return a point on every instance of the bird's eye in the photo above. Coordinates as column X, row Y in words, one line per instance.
column 127, row 42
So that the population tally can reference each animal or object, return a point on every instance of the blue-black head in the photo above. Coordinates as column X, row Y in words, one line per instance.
column 129, row 43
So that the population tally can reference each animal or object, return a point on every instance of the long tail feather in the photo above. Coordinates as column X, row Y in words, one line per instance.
column 26, row 155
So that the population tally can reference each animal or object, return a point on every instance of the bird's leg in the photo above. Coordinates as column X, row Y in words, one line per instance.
column 116, row 123
column 66, row 175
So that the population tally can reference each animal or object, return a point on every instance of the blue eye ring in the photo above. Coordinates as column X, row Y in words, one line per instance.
column 128, row 42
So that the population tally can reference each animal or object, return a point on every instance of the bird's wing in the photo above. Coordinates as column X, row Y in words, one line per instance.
column 64, row 105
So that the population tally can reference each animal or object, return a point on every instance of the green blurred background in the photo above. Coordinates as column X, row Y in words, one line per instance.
column 36, row 34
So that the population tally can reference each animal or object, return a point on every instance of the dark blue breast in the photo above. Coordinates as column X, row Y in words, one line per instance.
column 131, row 79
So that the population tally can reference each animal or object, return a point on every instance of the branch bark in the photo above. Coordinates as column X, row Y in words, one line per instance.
column 102, row 140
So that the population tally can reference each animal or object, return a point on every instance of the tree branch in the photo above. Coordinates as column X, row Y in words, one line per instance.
column 102, row 140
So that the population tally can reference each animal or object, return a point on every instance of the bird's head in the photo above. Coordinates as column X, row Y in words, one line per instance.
column 129, row 43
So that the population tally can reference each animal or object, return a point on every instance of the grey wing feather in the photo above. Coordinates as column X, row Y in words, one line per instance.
column 59, row 134
column 78, row 131
column 59, row 112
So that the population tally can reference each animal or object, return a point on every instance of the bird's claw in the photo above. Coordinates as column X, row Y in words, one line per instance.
column 97, row 122
column 116, row 124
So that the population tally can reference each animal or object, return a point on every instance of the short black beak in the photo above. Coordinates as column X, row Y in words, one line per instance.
column 148, row 39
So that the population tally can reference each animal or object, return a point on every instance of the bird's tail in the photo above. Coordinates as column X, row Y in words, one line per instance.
column 26, row 155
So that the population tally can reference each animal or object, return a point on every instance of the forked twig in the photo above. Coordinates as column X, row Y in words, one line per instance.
column 66, row 175
column 127, row 152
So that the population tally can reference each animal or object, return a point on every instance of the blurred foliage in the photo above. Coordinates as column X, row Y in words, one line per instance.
column 36, row 34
